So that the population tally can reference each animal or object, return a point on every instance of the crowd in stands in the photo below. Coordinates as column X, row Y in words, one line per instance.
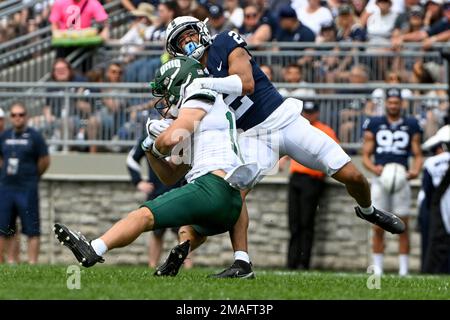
column 389, row 23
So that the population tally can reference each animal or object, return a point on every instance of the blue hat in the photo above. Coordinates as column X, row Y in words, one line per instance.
column 393, row 92
column 287, row 12
column 215, row 11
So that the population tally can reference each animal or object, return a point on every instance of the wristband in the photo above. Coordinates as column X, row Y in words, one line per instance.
column 155, row 152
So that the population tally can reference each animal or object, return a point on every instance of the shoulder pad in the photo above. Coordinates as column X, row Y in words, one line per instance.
column 202, row 94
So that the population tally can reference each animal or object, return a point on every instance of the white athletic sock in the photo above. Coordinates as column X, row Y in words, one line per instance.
column 403, row 264
column 241, row 255
column 366, row 211
column 99, row 246
column 378, row 263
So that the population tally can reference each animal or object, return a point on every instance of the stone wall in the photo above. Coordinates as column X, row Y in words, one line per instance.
column 92, row 204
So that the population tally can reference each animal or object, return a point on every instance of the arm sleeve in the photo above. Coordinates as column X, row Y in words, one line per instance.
column 55, row 14
column 368, row 125
column 100, row 14
column 133, row 162
column 416, row 128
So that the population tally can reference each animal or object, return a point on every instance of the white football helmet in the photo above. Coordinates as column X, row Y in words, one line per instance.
column 179, row 25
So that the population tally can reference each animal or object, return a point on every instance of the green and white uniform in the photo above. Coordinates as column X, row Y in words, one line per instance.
column 208, row 202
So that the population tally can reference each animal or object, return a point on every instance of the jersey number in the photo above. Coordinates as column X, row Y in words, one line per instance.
column 236, row 37
column 231, row 122
column 239, row 106
column 392, row 142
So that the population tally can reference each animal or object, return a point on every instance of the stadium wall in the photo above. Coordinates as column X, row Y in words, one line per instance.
column 92, row 203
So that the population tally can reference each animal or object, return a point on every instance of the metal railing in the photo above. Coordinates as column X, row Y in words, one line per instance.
column 328, row 62
column 76, row 116
column 11, row 7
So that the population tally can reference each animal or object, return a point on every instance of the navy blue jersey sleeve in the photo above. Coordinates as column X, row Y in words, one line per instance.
column 133, row 162
column 369, row 125
column 41, row 146
column 227, row 41
column 428, row 188
column 415, row 127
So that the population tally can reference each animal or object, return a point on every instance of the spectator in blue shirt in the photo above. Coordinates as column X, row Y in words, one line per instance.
column 23, row 159
column 291, row 29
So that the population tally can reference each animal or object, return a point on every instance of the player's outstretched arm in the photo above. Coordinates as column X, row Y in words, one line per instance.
column 182, row 128
column 240, row 80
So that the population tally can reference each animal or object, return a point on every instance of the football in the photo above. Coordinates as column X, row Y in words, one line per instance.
column 393, row 178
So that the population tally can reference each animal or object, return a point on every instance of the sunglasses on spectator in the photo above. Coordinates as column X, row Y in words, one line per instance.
column 15, row 115
column 251, row 15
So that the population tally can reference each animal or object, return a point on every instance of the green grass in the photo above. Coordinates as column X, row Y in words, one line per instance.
column 126, row 282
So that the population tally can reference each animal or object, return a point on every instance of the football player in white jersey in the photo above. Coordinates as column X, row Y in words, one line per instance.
column 210, row 203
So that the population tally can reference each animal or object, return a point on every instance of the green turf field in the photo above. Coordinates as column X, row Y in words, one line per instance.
column 112, row 282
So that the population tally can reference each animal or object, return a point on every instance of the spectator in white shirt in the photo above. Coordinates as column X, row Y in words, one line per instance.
column 140, row 30
column 313, row 15
column 233, row 12
column 398, row 6
column 380, row 24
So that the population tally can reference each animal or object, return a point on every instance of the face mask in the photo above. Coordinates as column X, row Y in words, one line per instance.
column 190, row 47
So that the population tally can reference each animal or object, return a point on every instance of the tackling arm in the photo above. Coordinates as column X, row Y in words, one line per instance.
column 240, row 80
column 167, row 171
column 181, row 128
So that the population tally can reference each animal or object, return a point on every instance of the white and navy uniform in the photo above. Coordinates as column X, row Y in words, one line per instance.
column 436, row 186
column 434, row 170
column 214, row 143
column 392, row 145
column 272, row 127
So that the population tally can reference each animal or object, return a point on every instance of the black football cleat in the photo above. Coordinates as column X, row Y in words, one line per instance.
column 239, row 269
column 174, row 261
column 78, row 244
column 385, row 220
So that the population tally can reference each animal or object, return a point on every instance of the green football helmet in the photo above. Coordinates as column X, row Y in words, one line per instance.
column 171, row 80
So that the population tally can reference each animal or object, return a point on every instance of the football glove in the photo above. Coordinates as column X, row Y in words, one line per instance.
column 156, row 127
column 146, row 145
